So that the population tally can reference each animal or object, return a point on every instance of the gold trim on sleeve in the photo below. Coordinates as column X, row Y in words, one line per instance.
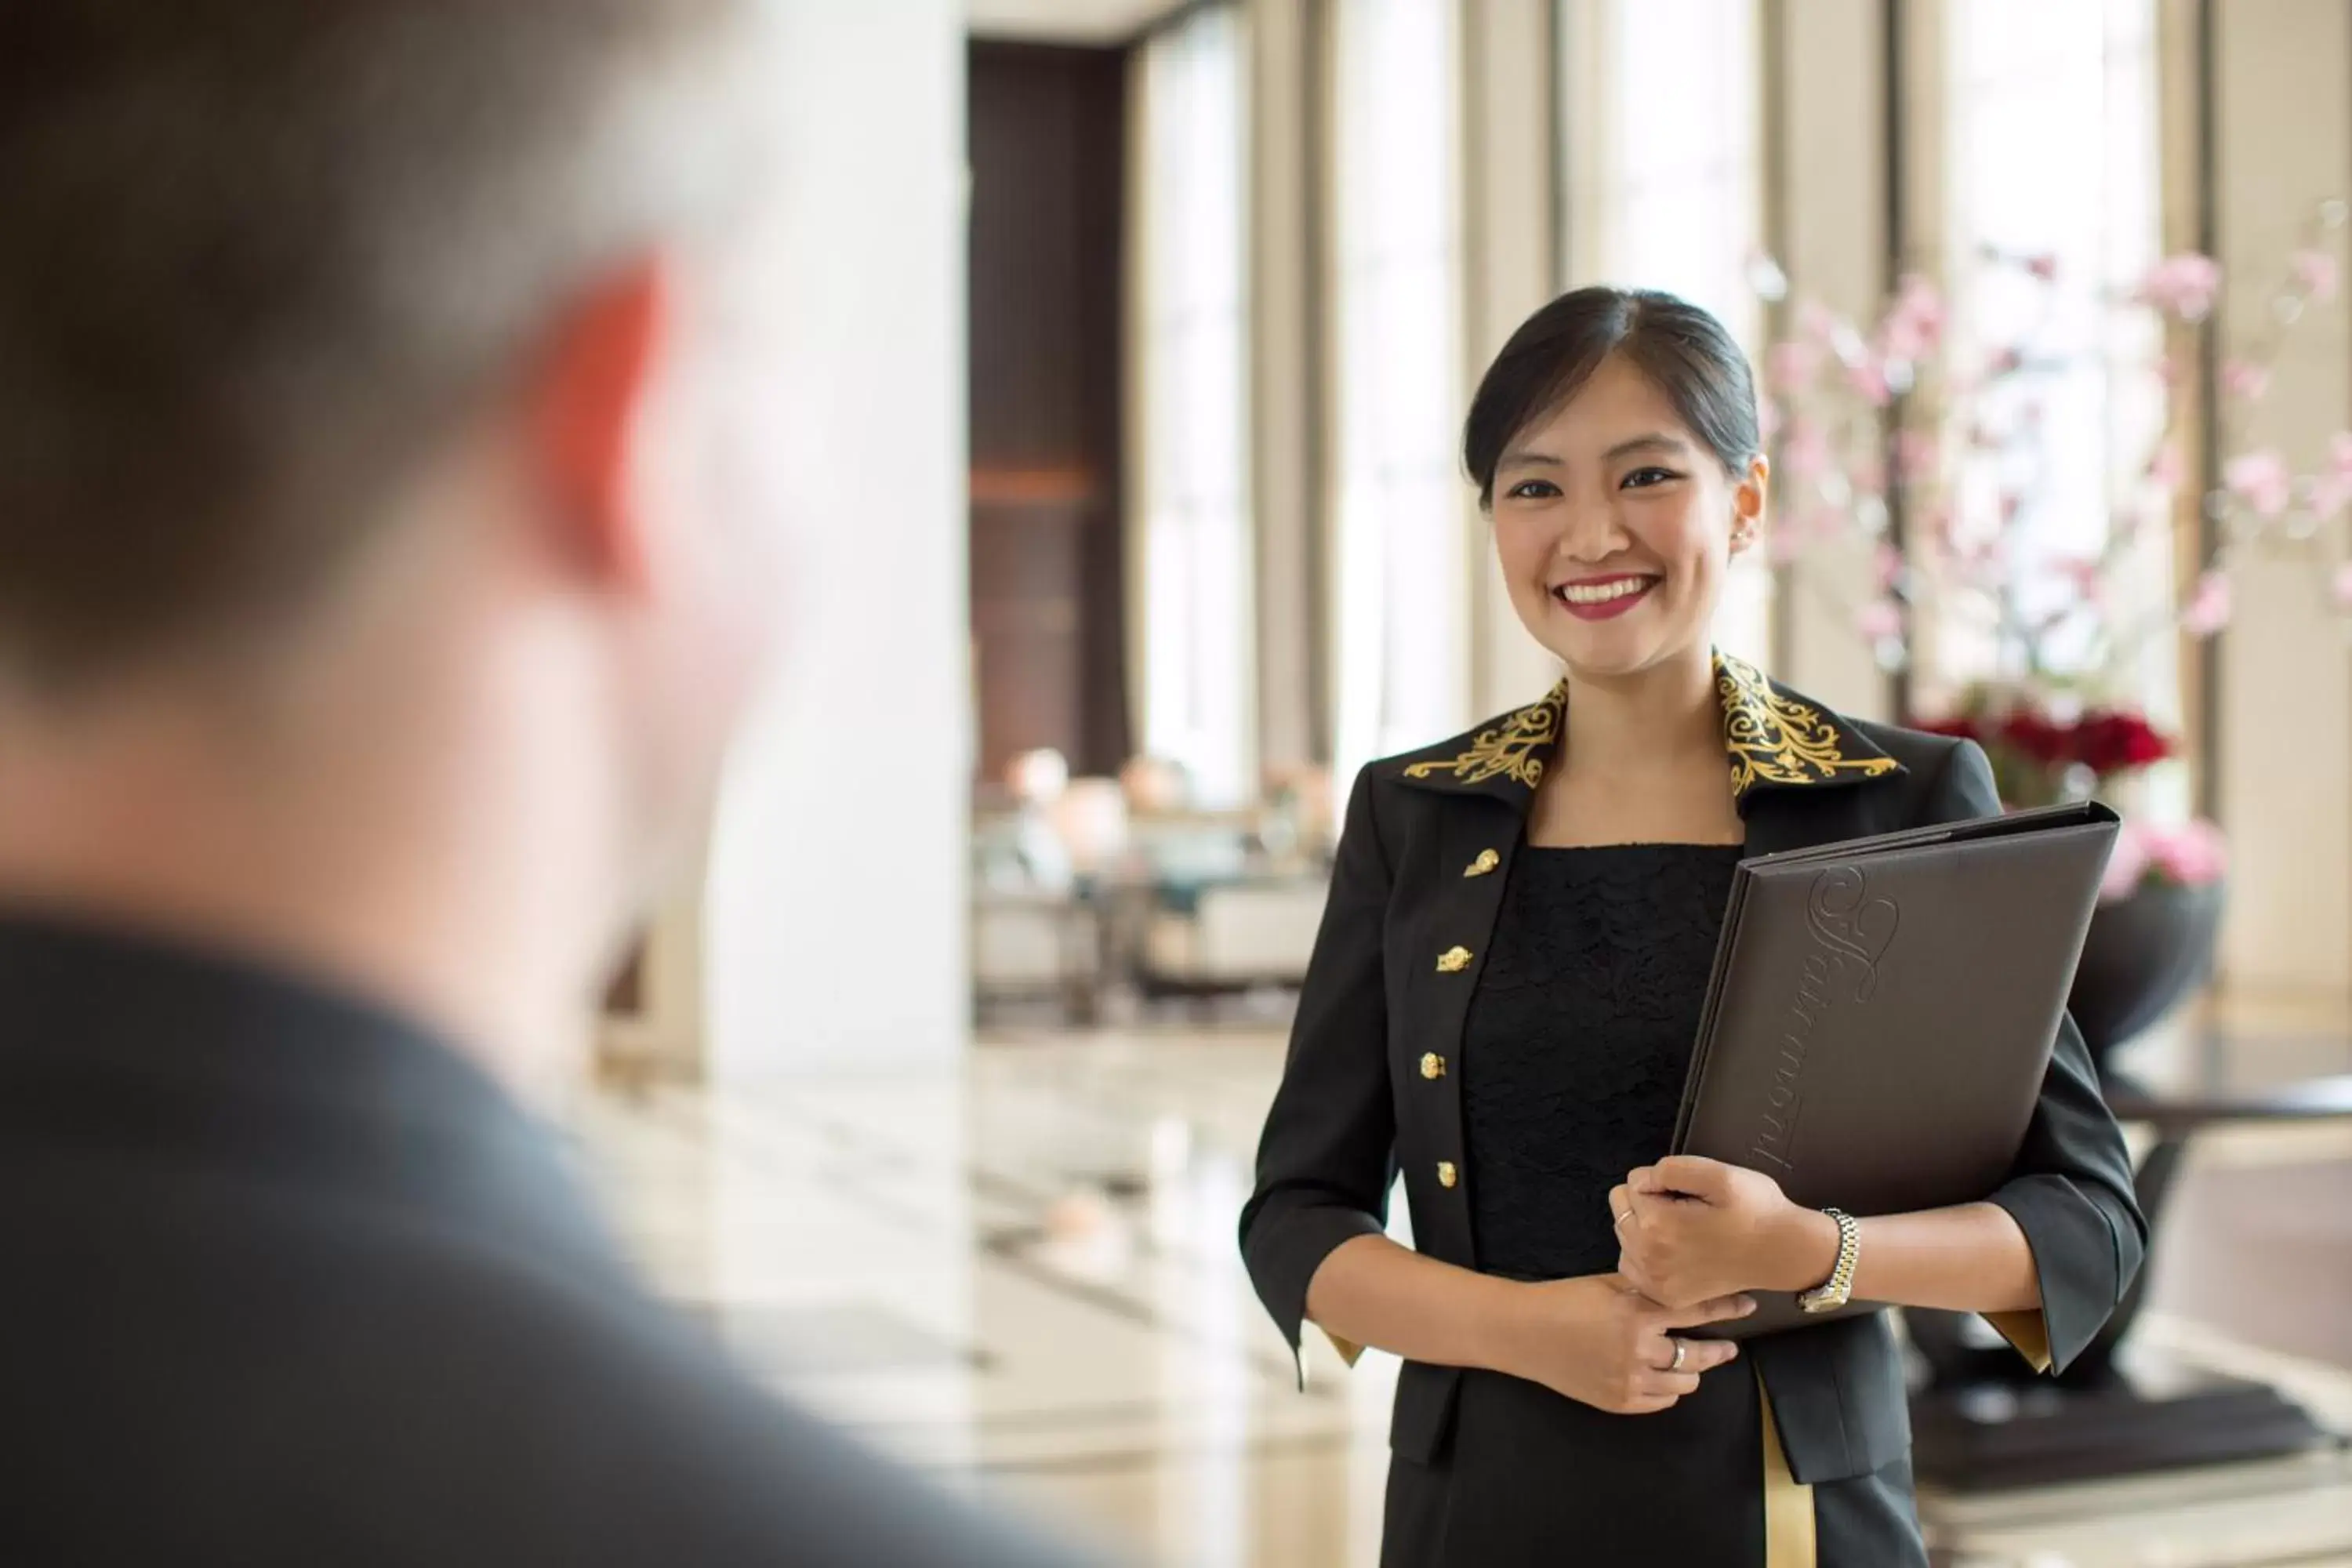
column 2028, row 1333
column 1349, row 1351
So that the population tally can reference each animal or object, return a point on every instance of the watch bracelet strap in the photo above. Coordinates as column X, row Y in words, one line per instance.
column 1838, row 1288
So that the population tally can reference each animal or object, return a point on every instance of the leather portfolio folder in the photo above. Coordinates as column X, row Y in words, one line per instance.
column 1882, row 1012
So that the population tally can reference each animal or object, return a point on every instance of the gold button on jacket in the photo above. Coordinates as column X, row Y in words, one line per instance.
column 1453, row 960
column 1446, row 1174
column 1487, row 862
column 1432, row 1065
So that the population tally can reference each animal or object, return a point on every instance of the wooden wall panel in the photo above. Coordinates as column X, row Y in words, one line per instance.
column 1048, row 176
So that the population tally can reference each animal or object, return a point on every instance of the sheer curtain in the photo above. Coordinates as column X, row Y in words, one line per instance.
column 1665, row 188
column 1197, row 597
column 2055, row 156
column 1400, row 583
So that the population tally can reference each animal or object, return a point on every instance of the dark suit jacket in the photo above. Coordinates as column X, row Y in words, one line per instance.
column 1428, row 845
column 288, row 1282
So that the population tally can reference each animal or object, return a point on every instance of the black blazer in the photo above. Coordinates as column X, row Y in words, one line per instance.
column 288, row 1282
column 1427, row 846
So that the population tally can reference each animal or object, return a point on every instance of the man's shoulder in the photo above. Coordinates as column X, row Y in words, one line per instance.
column 650, row 1441
column 431, row 1392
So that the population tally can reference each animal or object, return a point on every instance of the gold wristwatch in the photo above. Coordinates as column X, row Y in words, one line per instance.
column 1838, row 1288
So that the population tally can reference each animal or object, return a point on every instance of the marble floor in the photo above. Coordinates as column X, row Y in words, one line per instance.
column 1023, row 1277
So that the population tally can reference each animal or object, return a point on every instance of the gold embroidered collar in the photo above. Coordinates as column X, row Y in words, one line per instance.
column 1772, row 738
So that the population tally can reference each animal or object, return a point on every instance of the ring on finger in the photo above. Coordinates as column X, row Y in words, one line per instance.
column 1682, row 1348
column 1623, row 1216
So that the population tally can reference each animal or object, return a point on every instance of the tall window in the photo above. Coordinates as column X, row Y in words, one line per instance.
column 1401, row 585
column 1197, row 593
column 2054, row 153
column 1664, row 188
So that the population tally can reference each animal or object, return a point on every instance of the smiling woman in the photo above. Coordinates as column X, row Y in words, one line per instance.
column 1501, row 1003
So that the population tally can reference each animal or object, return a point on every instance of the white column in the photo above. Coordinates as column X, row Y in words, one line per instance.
column 2284, row 143
column 834, row 913
column 1286, row 277
column 1510, row 166
column 1831, row 225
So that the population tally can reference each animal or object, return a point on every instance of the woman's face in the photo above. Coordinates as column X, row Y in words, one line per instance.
column 1615, row 524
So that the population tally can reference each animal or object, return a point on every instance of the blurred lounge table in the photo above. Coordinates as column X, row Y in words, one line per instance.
column 1985, row 1423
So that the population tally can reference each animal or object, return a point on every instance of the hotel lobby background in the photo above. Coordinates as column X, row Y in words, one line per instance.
column 1141, row 327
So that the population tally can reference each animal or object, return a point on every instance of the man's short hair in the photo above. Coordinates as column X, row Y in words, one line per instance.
column 259, row 256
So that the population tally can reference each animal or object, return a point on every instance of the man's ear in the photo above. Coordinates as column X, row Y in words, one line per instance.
column 584, row 407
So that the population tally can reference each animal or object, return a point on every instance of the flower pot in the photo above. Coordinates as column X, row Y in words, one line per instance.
column 2143, row 954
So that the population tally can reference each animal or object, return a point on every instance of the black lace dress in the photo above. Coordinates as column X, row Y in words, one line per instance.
column 1573, row 1062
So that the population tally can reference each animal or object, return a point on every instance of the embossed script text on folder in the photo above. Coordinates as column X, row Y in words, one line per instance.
column 1882, row 1012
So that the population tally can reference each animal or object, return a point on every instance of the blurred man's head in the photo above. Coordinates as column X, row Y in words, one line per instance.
column 384, row 416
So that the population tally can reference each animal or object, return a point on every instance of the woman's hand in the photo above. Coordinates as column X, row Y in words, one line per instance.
column 1600, row 1342
column 1690, row 1230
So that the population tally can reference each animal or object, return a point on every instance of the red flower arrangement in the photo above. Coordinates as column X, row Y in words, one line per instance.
column 2047, row 756
column 2039, row 759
